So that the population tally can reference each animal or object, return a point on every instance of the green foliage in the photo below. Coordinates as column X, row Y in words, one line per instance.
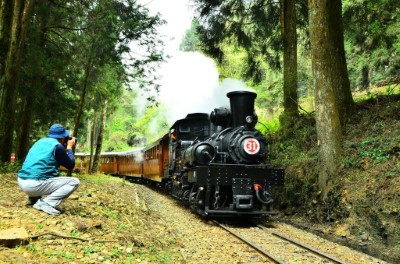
column 391, row 89
column 232, row 64
column 65, row 255
column 74, row 233
column 90, row 44
column 9, row 167
column 243, row 24
column 351, row 162
column 127, row 131
column 116, row 252
column 153, row 124
column 372, row 149
column 190, row 41
column 376, row 154
column 372, row 37
column 268, row 127
column 93, row 249
column 110, row 213
column 89, row 250
column 32, row 247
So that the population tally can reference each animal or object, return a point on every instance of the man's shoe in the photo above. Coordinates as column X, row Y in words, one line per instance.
column 45, row 207
column 32, row 200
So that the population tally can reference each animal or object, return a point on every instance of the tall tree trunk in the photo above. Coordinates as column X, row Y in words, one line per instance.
column 26, row 120
column 110, row 122
column 342, row 89
column 323, row 52
column 5, row 22
column 79, row 112
column 364, row 77
column 21, row 14
column 99, row 142
column 289, row 36
column 92, row 136
column 27, row 110
column 88, row 132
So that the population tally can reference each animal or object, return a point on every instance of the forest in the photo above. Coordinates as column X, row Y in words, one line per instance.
column 314, row 64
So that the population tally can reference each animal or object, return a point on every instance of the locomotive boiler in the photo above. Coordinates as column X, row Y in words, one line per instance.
column 219, row 163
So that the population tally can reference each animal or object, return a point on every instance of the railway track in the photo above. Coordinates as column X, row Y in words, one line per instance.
column 266, row 242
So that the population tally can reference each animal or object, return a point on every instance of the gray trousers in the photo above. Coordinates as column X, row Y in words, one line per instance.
column 58, row 188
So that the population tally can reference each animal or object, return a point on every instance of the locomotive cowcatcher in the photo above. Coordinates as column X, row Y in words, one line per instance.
column 219, row 163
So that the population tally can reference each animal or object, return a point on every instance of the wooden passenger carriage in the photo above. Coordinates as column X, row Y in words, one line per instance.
column 156, row 160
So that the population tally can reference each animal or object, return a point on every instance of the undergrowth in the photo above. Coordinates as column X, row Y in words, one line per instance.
column 9, row 167
column 364, row 199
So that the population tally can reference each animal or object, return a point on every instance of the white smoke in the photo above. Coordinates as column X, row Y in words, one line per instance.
column 189, row 84
column 189, row 80
column 137, row 154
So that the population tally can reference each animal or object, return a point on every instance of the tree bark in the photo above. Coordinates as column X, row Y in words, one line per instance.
column 92, row 136
column 5, row 22
column 289, row 36
column 21, row 14
column 342, row 89
column 99, row 142
column 26, row 120
column 29, row 98
column 365, row 77
column 88, row 132
column 324, row 67
column 79, row 112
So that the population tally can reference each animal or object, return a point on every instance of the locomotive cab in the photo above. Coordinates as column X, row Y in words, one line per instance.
column 184, row 132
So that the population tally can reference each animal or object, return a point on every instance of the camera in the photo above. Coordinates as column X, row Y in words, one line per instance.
column 70, row 138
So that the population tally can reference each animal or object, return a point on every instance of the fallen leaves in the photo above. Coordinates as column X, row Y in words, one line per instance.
column 102, row 221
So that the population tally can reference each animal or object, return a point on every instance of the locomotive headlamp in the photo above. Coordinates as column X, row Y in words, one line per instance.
column 249, row 119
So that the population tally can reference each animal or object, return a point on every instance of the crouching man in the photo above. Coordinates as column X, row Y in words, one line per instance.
column 39, row 173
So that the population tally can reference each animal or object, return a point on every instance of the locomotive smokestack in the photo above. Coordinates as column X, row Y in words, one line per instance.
column 242, row 108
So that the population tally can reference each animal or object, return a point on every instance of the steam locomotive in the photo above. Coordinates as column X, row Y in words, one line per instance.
column 219, row 164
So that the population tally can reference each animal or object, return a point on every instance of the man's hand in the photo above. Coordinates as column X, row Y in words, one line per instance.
column 71, row 143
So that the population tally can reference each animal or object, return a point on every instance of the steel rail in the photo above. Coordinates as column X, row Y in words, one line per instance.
column 251, row 244
column 304, row 246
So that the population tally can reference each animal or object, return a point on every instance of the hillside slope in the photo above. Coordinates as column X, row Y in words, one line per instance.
column 363, row 208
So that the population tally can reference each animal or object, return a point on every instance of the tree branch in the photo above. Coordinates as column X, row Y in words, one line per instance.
column 70, row 237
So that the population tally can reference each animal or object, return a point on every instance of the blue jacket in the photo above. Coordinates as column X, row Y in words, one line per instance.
column 40, row 163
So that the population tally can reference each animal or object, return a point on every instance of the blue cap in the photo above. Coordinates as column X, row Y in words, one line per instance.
column 58, row 131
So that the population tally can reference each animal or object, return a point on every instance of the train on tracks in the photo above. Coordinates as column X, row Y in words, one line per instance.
column 218, row 164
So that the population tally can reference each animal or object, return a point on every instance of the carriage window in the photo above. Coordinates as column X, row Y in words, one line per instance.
column 184, row 129
column 158, row 153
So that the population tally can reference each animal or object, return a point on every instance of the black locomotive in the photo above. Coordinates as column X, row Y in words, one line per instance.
column 220, row 164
